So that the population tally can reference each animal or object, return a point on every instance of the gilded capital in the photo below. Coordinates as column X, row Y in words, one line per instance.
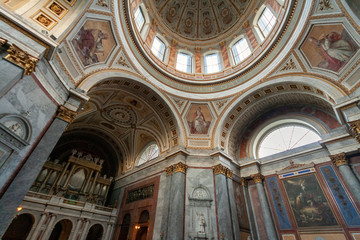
column 355, row 129
column 22, row 59
column 258, row 178
column 229, row 173
column 180, row 167
column 339, row 159
column 169, row 170
column 66, row 114
column 244, row 182
column 220, row 169
column 3, row 41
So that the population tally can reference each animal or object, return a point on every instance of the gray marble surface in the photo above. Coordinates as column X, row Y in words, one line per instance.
column 223, row 208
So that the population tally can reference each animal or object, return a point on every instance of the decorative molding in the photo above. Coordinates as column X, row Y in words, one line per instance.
column 325, row 5
column 3, row 41
column 102, row 3
column 339, row 159
column 66, row 114
column 293, row 166
column 22, row 59
column 244, row 182
column 289, row 65
column 355, row 129
column 180, row 167
column 11, row 138
column 258, row 178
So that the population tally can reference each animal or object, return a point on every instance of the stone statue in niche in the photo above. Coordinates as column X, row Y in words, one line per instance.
column 200, row 214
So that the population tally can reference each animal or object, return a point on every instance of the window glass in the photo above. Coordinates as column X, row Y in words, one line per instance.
column 158, row 48
column 139, row 19
column 151, row 152
column 241, row 50
column 183, row 62
column 266, row 21
column 286, row 137
column 212, row 63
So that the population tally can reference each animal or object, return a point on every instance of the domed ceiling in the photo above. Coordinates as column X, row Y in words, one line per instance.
column 199, row 20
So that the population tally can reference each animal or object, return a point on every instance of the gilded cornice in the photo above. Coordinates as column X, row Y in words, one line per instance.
column 66, row 114
column 258, row 178
column 169, row 170
column 355, row 129
column 339, row 159
column 2, row 41
column 22, row 59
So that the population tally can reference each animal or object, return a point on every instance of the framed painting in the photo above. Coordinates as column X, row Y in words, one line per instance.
column 308, row 202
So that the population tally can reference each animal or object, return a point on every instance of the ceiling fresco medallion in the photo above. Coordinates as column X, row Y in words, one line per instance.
column 199, row 119
column 94, row 42
column 120, row 115
column 329, row 47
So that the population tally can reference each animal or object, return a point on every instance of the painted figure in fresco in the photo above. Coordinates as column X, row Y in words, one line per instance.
column 199, row 123
column 88, row 43
column 337, row 49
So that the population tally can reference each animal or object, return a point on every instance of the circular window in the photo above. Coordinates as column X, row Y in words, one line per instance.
column 285, row 137
column 150, row 152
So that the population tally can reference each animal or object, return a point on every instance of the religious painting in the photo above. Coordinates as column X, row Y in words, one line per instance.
column 93, row 42
column 320, row 236
column 329, row 47
column 199, row 118
column 57, row 9
column 44, row 20
column 308, row 202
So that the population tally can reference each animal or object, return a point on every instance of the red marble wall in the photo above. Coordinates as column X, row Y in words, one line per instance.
column 257, row 212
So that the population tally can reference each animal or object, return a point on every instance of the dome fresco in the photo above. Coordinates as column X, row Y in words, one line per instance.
column 199, row 20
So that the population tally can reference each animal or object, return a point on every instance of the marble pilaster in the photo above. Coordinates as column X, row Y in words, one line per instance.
column 175, row 229
column 38, row 226
column 49, row 227
column 232, row 203
column 341, row 162
column 76, row 230
column 244, row 185
column 85, row 229
column 222, row 201
column 10, row 74
column 269, row 224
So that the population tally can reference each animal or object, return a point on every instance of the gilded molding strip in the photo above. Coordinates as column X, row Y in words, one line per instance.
column 339, row 159
column 66, row 114
column 22, row 59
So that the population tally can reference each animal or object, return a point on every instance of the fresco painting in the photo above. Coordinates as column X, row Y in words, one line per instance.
column 199, row 118
column 329, row 47
column 320, row 236
column 308, row 202
column 93, row 42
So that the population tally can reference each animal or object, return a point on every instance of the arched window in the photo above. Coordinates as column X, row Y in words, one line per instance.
column 266, row 22
column 150, row 152
column 240, row 50
column 212, row 63
column 158, row 48
column 139, row 19
column 184, row 62
column 285, row 137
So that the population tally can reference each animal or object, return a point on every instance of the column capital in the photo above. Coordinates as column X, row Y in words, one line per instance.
column 220, row 169
column 3, row 41
column 22, row 59
column 339, row 159
column 180, row 167
column 66, row 114
column 355, row 129
column 169, row 170
column 258, row 178
column 222, row 43
column 244, row 182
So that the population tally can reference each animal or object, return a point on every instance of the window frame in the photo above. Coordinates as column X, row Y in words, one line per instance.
column 143, row 150
column 220, row 64
column 157, row 36
column 233, row 43
column 259, row 33
column 191, row 61
column 143, row 16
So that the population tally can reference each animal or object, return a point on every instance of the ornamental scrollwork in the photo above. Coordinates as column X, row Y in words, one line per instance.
column 339, row 159
column 22, row 59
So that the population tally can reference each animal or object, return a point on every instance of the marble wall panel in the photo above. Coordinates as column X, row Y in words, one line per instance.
column 256, row 208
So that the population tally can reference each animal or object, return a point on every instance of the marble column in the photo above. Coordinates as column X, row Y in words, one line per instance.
column 269, row 224
column 49, row 227
column 22, row 182
column 352, row 182
column 76, row 231
column 85, row 229
column 232, row 204
column 175, row 229
column 39, row 225
column 224, row 216
column 108, row 230
column 14, row 65
column 164, row 224
column 245, row 190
